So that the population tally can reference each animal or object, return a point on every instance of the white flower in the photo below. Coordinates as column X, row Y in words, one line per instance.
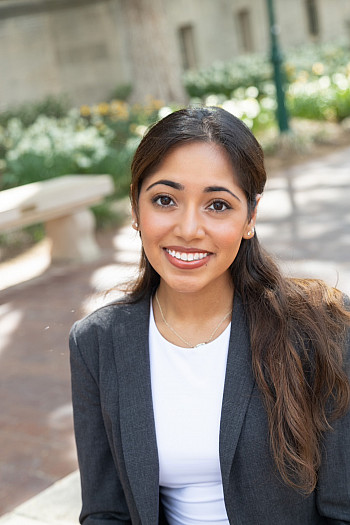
column 140, row 130
column 341, row 81
column 164, row 111
column 212, row 100
column 251, row 107
column 233, row 107
column 71, row 136
column 324, row 82
column 268, row 103
column 252, row 92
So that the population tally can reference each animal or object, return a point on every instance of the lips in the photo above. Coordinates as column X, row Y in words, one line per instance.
column 187, row 258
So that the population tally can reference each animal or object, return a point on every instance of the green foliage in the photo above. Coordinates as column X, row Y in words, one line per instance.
column 327, row 98
column 318, row 77
column 310, row 62
column 122, row 92
column 27, row 113
column 225, row 77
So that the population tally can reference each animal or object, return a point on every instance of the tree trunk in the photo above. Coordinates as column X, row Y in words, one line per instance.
column 155, row 67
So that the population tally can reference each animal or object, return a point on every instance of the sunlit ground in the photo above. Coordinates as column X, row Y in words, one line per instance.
column 26, row 266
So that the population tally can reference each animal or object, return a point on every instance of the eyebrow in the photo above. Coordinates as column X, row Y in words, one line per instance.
column 170, row 183
column 210, row 189
column 177, row 186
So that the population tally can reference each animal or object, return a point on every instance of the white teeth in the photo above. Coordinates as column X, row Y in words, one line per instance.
column 184, row 256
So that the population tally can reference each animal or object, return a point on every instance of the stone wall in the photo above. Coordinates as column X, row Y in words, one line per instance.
column 82, row 47
column 75, row 49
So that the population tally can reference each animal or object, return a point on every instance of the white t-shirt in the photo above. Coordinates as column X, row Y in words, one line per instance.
column 187, row 390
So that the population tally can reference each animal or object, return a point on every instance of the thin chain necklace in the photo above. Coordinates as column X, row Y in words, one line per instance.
column 180, row 337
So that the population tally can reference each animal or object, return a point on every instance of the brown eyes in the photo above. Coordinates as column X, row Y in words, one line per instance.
column 219, row 205
column 165, row 201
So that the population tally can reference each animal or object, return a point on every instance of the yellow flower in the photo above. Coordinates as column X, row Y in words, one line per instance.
column 85, row 111
column 103, row 108
column 119, row 109
column 157, row 104
column 303, row 76
column 318, row 68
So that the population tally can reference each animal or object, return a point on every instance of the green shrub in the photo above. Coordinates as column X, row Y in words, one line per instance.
column 313, row 61
column 27, row 113
column 121, row 92
column 327, row 98
column 300, row 64
column 225, row 77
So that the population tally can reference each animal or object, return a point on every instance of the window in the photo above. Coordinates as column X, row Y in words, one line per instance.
column 312, row 17
column 187, row 47
column 244, row 27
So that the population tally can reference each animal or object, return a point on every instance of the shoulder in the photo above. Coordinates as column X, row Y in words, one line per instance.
column 115, row 317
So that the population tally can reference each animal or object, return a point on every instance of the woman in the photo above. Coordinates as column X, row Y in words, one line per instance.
column 216, row 390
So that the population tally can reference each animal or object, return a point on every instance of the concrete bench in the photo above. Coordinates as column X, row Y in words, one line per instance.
column 62, row 204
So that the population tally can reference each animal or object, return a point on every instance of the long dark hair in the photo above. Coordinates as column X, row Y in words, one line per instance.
column 297, row 327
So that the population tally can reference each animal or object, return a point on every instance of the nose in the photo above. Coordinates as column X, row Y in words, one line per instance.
column 190, row 225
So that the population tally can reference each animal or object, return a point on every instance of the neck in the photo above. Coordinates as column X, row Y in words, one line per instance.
column 196, row 307
column 192, row 319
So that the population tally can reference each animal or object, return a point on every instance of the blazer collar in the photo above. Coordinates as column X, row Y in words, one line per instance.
column 239, row 382
column 136, row 409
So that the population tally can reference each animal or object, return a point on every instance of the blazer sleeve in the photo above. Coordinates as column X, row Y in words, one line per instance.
column 102, row 494
column 333, row 491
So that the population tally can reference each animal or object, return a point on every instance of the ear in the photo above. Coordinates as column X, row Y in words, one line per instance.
column 250, row 229
column 134, row 222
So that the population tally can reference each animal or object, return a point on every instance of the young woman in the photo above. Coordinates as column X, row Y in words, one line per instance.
column 216, row 391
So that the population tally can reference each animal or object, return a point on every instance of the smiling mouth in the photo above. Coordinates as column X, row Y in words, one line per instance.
column 185, row 256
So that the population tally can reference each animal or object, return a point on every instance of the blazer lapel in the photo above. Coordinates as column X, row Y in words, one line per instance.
column 238, row 388
column 136, row 410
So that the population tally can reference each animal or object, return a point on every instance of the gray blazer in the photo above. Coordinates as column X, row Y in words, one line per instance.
column 116, row 438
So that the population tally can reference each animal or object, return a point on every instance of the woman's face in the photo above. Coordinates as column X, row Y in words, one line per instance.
column 192, row 218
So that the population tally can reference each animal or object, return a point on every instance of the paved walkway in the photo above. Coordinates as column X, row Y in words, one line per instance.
column 304, row 219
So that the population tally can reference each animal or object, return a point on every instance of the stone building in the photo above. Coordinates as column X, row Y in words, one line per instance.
column 86, row 48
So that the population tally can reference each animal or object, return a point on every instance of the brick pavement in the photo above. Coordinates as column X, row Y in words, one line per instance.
column 36, row 430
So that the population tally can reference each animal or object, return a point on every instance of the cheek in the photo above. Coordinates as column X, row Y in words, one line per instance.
column 152, row 226
column 230, row 236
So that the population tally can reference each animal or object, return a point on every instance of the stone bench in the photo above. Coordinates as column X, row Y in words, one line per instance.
column 62, row 204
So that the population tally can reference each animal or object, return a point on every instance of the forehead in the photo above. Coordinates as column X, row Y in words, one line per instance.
column 196, row 162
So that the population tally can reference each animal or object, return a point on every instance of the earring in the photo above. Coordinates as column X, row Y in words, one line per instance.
column 135, row 225
column 251, row 232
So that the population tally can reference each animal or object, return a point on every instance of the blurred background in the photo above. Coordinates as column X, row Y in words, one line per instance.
column 80, row 82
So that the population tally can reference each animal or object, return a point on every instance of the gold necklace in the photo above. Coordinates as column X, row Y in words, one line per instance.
column 180, row 337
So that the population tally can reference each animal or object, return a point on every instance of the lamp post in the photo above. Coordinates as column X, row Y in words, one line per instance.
column 276, row 59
